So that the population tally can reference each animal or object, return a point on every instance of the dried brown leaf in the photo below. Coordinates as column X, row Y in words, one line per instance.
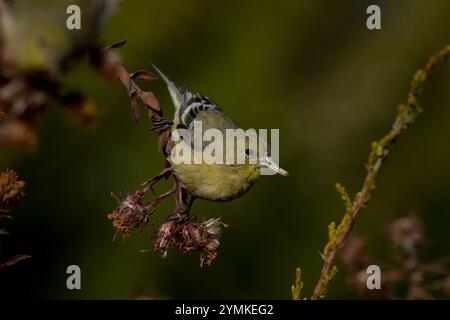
column 124, row 77
column 143, row 75
column 150, row 100
column 117, row 45
column 135, row 109
column 15, row 259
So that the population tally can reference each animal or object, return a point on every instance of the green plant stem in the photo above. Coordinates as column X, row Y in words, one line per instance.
column 380, row 150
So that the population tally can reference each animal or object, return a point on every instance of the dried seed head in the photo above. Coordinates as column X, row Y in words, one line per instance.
column 212, row 229
column 187, row 235
column 11, row 190
column 164, row 237
column 130, row 214
column 407, row 233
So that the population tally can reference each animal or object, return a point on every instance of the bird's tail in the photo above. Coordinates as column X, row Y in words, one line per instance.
column 175, row 93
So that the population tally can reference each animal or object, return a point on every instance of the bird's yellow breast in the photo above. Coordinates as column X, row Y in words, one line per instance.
column 209, row 180
column 217, row 182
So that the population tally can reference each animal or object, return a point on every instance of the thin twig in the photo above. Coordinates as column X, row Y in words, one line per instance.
column 380, row 150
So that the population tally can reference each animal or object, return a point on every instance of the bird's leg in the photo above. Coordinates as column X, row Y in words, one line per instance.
column 180, row 195
column 151, row 183
column 191, row 202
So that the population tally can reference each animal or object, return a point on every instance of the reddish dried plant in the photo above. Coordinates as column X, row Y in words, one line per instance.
column 26, row 90
column 181, row 230
column 422, row 280
column 11, row 191
column 185, row 234
column 25, row 96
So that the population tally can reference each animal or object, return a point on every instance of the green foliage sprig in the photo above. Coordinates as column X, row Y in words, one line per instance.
column 407, row 113
column 297, row 287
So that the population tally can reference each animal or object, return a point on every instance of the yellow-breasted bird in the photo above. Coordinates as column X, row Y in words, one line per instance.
column 215, row 182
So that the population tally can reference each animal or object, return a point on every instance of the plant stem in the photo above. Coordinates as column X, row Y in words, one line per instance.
column 380, row 150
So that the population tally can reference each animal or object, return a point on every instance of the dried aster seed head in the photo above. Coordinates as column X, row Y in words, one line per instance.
column 212, row 229
column 187, row 235
column 164, row 237
column 130, row 214
column 407, row 233
column 11, row 190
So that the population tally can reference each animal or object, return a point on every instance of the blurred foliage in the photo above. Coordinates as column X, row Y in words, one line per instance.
column 407, row 113
column 407, row 275
column 309, row 68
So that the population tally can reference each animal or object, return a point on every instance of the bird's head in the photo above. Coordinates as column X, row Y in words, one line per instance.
column 257, row 154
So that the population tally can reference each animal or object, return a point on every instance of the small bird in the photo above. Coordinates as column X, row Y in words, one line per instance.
column 214, row 181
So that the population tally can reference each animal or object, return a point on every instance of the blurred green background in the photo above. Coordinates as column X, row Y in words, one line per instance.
column 310, row 68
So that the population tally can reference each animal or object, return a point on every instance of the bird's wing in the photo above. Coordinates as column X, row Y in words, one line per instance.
column 193, row 105
column 200, row 111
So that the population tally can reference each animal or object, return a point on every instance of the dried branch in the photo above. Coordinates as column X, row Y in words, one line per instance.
column 381, row 149
column 14, row 260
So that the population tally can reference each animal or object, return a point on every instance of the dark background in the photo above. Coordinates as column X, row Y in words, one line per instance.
column 311, row 69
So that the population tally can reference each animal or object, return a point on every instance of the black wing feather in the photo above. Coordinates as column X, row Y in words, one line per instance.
column 192, row 105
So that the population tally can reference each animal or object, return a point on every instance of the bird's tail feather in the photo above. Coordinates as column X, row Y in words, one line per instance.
column 175, row 93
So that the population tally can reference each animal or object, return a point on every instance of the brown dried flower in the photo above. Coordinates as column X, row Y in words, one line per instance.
column 355, row 258
column 187, row 235
column 421, row 279
column 11, row 189
column 130, row 214
column 407, row 233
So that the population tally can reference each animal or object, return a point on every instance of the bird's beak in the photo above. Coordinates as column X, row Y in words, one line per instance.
column 269, row 163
